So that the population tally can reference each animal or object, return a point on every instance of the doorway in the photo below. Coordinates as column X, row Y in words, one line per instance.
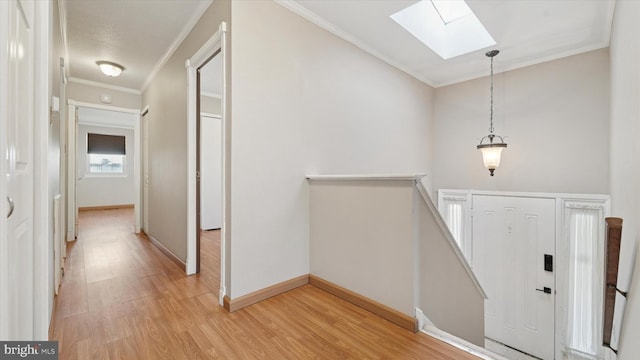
column 211, row 52
column 514, row 243
column 106, row 176
column 480, row 221
column 209, row 166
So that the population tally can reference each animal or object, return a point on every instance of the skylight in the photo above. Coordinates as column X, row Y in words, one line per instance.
column 450, row 11
column 448, row 27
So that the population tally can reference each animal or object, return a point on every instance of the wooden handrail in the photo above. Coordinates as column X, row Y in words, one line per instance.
column 612, row 259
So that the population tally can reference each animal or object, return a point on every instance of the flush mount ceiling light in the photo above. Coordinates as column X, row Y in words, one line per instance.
column 491, row 151
column 110, row 68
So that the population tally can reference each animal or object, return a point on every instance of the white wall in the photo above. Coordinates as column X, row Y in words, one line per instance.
column 362, row 238
column 210, row 173
column 625, row 159
column 448, row 295
column 166, row 97
column 556, row 119
column 91, row 94
column 104, row 190
column 305, row 101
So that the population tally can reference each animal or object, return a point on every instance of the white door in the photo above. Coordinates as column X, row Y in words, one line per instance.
column 16, row 248
column 512, row 239
column 210, row 173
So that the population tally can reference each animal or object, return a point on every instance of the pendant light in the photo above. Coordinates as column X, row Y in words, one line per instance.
column 491, row 151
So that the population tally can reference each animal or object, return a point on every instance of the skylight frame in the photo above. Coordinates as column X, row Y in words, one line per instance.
column 450, row 11
column 460, row 36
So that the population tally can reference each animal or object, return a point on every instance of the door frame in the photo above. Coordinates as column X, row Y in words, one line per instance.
column 561, row 200
column 144, row 171
column 72, row 160
column 216, row 43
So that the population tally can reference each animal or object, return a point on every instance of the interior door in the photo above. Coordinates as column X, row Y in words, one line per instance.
column 17, row 292
column 514, row 253
column 210, row 173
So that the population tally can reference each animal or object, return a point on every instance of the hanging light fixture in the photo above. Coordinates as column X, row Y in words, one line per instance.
column 491, row 151
column 110, row 68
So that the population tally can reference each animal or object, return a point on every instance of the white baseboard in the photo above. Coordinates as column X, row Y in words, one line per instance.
column 427, row 327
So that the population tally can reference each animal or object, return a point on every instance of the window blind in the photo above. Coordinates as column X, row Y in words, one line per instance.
column 106, row 144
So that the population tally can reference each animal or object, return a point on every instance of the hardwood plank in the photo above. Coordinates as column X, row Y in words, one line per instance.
column 386, row 312
column 262, row 294
column 121, row 297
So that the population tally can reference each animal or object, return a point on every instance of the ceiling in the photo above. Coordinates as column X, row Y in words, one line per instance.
column 133, row 33
column 526, row 31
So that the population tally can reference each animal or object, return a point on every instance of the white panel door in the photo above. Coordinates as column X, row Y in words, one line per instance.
column 210, row 173
column 17, row 251
column 511, row 236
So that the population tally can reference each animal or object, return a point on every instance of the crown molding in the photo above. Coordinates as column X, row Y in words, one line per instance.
column 197, row 14
column 103, row 85
column 337, row 31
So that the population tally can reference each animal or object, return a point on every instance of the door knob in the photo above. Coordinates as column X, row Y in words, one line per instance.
column 11, row 207
column 545, row 290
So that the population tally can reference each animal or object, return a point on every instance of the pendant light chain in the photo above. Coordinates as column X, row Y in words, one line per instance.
column 491, row 114
column 492, row 148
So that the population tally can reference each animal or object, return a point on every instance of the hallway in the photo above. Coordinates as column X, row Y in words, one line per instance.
column 122, row 298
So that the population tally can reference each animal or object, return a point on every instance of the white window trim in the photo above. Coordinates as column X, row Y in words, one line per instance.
column 465, row 244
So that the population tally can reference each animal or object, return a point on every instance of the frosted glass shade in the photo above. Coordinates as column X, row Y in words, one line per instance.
column 109, row 68
column 491, row 154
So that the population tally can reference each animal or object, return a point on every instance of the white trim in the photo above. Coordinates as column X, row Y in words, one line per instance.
column 210, row 115
column 113, row 126
column 337, row 31
column 562, row 275
column 523, row 64
column 461, row 344
column 72, row 130
column 102, row 107
column 42, row 220
column 197, row 14
column 566, row 196
column 62, row 14
column 105, row 86
column 409, row 177
column 210, row 94
column 137, row 174
column 216, row 42
column 460, row 196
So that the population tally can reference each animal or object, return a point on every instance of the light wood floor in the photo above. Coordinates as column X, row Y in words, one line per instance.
column 121, row 298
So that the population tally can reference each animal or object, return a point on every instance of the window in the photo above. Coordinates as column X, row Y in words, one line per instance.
column 585, row 233
column 104, row 163
column 453, row 207
column 449, row 28
column 106, row 153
